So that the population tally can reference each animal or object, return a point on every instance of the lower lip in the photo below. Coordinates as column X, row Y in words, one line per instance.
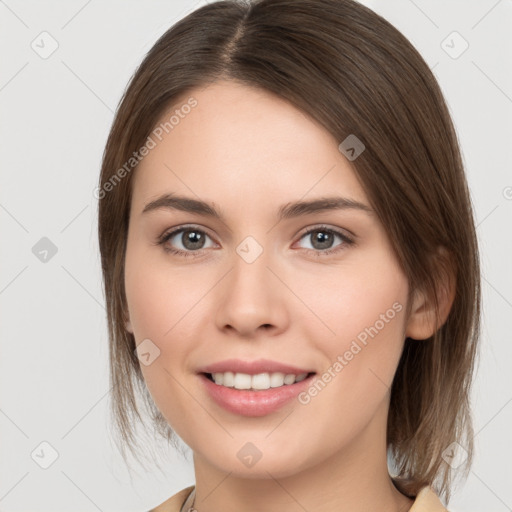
column 254, row 403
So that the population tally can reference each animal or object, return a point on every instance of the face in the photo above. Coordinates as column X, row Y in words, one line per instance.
column 251, row 285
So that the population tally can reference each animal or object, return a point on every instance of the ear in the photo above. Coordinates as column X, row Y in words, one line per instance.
column 422, row 322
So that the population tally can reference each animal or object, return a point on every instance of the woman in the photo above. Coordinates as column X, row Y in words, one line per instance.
column 290, row 261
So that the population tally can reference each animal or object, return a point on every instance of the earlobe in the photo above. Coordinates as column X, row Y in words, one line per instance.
column 422, row 322
column 128, row 325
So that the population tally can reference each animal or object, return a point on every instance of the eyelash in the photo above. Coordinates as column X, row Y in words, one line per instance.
column 319, row 253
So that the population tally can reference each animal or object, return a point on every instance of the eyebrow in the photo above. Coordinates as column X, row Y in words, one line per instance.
column 286, row 211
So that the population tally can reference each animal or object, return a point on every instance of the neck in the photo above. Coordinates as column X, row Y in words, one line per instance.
column 354, row 478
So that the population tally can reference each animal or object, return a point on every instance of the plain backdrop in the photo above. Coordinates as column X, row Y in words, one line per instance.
column 56, row 112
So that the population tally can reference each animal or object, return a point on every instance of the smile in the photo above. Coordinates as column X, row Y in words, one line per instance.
column 258, row 382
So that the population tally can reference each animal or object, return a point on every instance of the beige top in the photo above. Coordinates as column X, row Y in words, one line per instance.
column 426, row 501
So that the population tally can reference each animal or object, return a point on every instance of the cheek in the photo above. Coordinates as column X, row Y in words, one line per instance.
column 159, row 296
column 152, row 304
column 161, row 307
column 361, row 356
column 358, row 323
column 165, row 307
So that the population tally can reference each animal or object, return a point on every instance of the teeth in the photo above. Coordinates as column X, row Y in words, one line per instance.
column 256, row 382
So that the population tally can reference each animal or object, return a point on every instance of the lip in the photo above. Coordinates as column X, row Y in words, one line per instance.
column 253, row 367
column 253, row 403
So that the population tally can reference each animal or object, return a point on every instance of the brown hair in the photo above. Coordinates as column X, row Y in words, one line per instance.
column 354, row 73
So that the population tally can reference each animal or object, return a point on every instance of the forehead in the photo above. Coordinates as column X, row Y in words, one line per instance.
column 240, row 144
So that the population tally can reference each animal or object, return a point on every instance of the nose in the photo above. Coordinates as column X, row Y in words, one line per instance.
column 252, row 299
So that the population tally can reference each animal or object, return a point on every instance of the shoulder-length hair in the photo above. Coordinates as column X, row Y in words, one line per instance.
column 353, row 72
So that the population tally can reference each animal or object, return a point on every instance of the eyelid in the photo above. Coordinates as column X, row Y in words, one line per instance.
column 347, row 240
column 171, row 232
column 176, row 229
column 341, row 231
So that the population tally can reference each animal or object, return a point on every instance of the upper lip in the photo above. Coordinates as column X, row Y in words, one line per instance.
column 252, row 367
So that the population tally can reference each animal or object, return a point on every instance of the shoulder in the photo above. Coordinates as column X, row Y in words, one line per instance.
column 427, row 501
column 175, row 502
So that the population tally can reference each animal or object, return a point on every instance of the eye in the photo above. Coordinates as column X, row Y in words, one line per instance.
column 323, row 239
column 191, row 239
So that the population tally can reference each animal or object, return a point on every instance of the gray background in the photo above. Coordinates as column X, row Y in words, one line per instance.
column 56, row 113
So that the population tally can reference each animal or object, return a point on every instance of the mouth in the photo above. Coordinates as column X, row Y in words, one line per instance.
column 258, row 382
column 253, row 395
